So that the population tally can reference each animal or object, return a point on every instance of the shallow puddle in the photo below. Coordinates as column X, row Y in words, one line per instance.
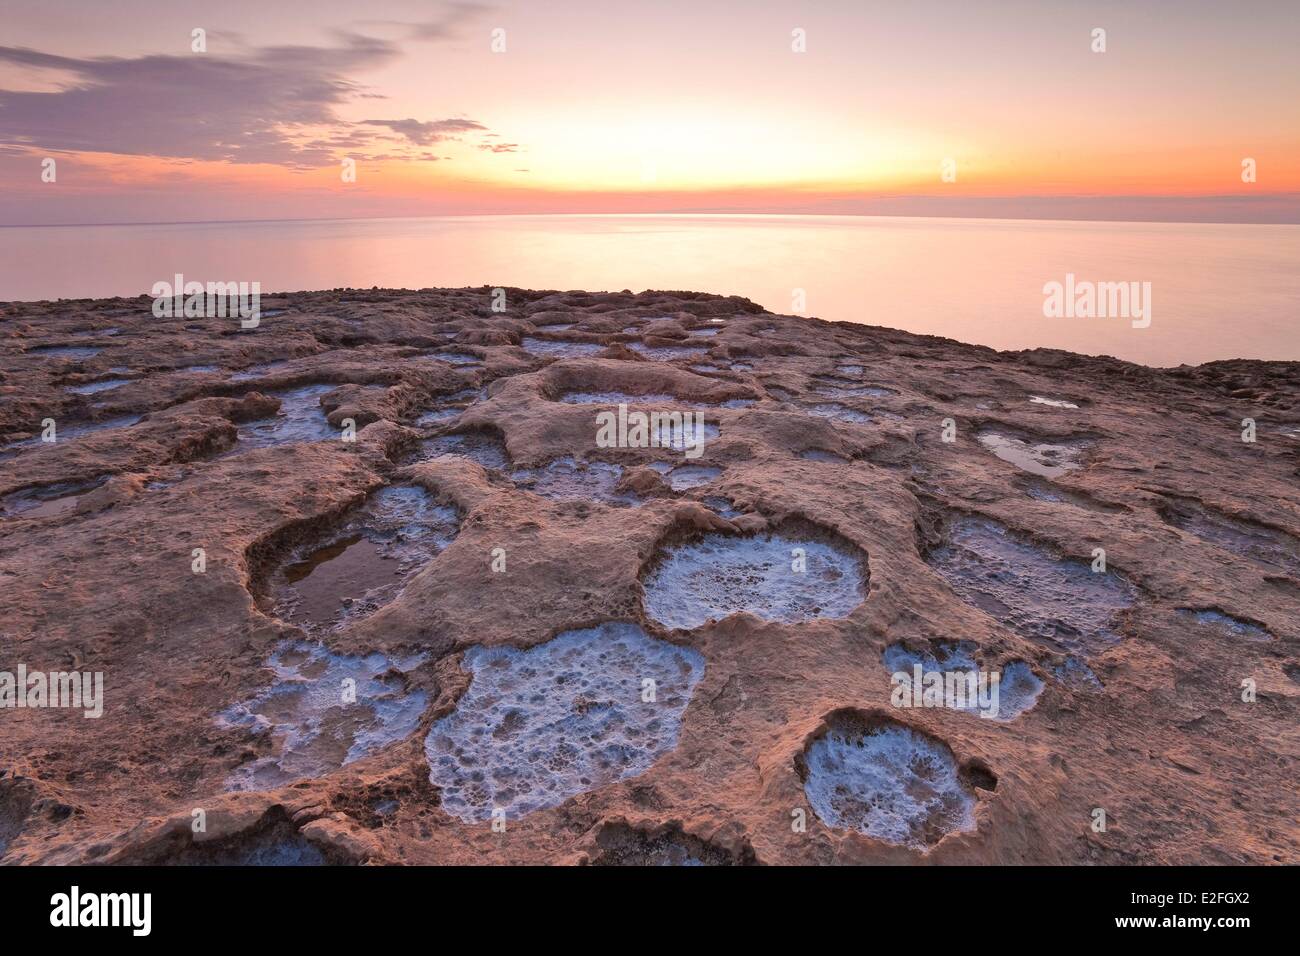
column 481, row 447
column 1017, row 688
column 1227, row 625
column 723, row 507
column 1042, row 490
column 454, row 358
column 1076, row 675
column 1060, row 602
column 887, row 781
column 467, row 395
column 680, row 436
column 252, row 372
column 685, row 477
column 838, row 388
column 300, row 419
column 66, row 351
column 943, row 656
column 448, row 407
column 1047, row 460
column 67, row 433
column 668, row 353
column 568, row 479
column 773, row 576
column 819, row 454
column 89, row 428
column 324, row 711
column 616, row 398
column 851, row 391
column 1257, row 542
column 537, row 727
column 438, row 416
column 103, row 385
column 317, row 586
column 561, row 349
column 397, row 531
column 840, row 413
column 47, row 501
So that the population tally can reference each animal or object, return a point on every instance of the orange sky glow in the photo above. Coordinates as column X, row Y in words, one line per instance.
column 623, row 107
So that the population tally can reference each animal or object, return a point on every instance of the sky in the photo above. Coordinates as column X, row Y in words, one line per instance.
column 926, row 107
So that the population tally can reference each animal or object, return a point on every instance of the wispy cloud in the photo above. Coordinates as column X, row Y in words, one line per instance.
column 275, row 105
column 447, row 25
column 430, row 132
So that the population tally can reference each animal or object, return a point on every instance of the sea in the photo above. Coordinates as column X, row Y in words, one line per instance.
column 1171, row 293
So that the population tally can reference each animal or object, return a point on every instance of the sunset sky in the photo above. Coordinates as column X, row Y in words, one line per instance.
column 613, row 106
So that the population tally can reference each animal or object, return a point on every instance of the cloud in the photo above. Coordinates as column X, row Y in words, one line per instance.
column 197, row 106
column 500, row 147
column 261, row 105
column 427, row 133
column 449, row 25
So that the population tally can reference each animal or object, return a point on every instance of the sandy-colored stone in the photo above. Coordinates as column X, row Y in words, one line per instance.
column 1187, row 771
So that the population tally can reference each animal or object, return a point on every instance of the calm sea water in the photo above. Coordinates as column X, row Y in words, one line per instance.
column 1217, row 291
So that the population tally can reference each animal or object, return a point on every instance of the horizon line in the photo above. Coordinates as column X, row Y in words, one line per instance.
column 639, row 215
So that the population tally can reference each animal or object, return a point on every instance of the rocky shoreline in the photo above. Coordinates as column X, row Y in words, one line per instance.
column 401, row 495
